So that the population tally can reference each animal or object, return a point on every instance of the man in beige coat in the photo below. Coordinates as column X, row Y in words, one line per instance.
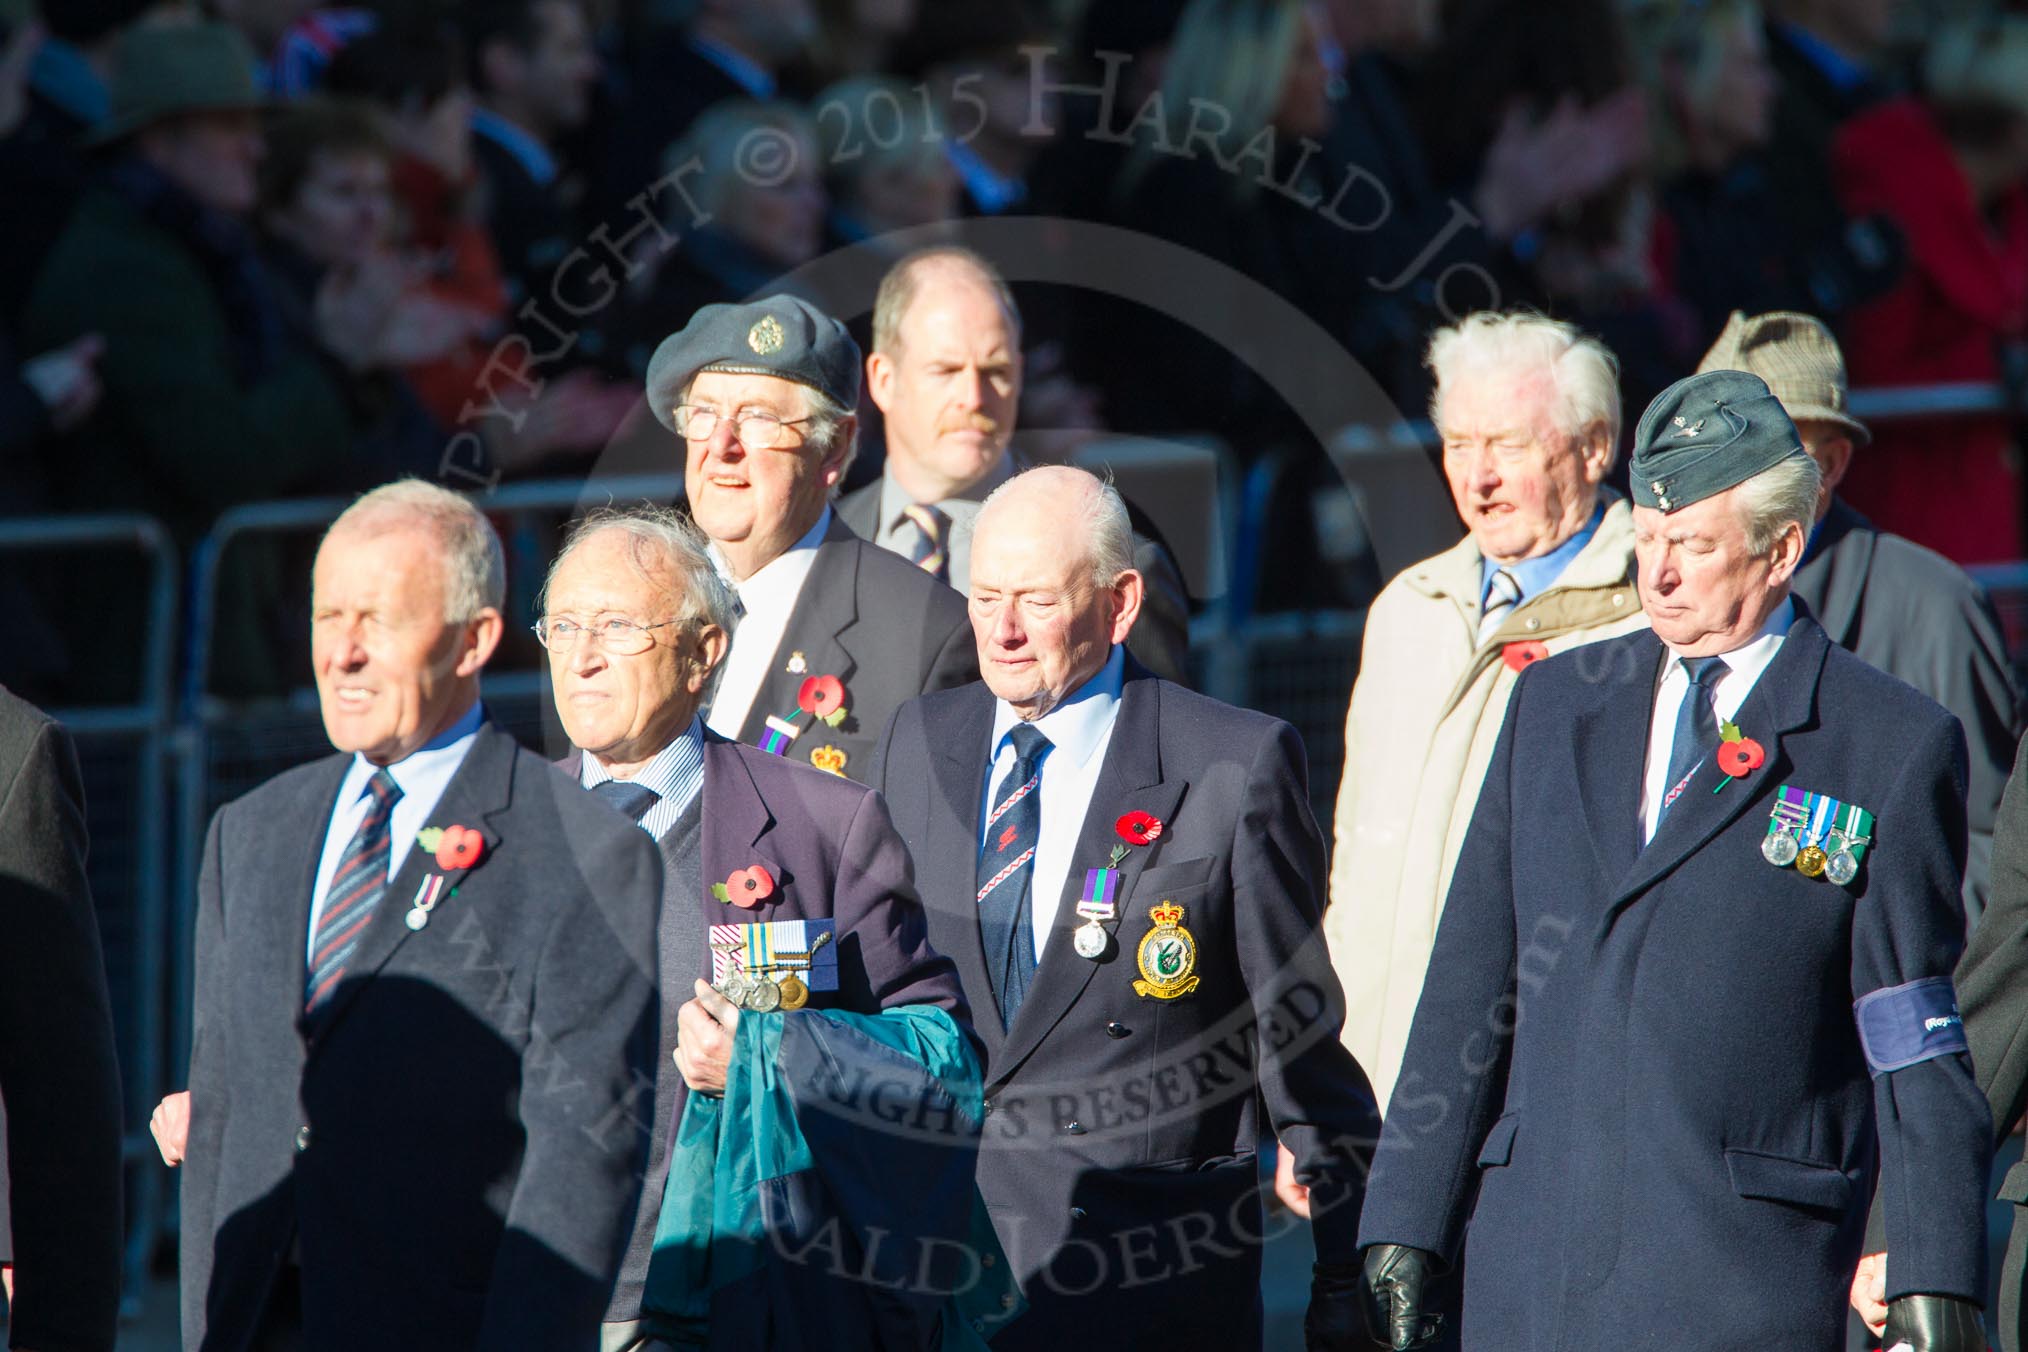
column 1529, row 412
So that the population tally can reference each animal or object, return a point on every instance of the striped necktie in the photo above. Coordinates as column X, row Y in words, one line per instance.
column 356, row 889
column 1007, row 871
column 932, row 527
column 1500, row 599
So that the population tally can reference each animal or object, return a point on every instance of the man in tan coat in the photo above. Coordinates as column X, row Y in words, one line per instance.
column 1529, row 412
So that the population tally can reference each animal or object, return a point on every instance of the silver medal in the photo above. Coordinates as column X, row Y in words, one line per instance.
column 763, row 996
column 1779, row 849
column 417, row 918
column 1089, row 940
column 1842, row 868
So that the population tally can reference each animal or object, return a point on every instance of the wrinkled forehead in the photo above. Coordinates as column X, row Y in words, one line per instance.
column 612, row 569
column 1028, row 545
column 1489, row 399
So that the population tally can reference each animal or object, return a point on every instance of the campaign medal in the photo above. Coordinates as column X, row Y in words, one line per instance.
column 1791, row 811
column 426, row 898
column 1097, row 905
column 794, row 993
column 1850, row 836
column 1813, row 857
column 764, row 996
column 772, row 965
column 1167, row 956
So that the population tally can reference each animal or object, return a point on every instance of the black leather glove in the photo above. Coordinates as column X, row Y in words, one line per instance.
column 1336, row 1319
column 1934, row 1324
column 1395, row 1278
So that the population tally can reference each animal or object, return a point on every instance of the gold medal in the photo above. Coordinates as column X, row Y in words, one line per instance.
column 1810, row 863
column 793, row 992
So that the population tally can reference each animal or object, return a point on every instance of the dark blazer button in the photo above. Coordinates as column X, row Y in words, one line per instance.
column 988, row 1106
column 1077, row 1213
column 1117, row 1029
column 302, row 1139
column 1075, row 1128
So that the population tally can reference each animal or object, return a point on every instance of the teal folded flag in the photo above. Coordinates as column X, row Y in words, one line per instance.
column 837, row 1167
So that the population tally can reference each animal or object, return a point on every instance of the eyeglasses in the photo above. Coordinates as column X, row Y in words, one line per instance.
column 757, row 429
column 621, row 638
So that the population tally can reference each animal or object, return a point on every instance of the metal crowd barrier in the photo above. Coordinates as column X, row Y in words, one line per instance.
column 123, row 750
column 228, row 747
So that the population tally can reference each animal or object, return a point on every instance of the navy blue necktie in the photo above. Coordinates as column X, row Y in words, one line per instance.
column 357, row 885
column 1007, row 873
column 1696, row 723
column 635, row 800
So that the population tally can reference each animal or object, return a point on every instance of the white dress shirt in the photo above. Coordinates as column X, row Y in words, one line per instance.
column 768, row 598
column 422, row 778
column 1079, row 730
column 676, row 774
column 1743, row 666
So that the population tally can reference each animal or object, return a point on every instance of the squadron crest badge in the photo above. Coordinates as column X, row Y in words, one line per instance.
column 1167, row 956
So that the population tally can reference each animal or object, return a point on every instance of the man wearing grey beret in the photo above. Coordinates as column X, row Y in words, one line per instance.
column 1684, row 1007
column 834, row 633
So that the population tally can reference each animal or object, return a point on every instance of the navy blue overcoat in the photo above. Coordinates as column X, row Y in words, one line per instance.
column 1635, row 1091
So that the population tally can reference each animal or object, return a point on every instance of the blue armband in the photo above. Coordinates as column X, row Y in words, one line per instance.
column 1902, row 1025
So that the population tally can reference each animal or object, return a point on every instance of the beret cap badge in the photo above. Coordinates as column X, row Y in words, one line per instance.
column 765, row 337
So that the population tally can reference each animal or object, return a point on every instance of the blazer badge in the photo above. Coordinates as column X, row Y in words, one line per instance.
column 1167, row 956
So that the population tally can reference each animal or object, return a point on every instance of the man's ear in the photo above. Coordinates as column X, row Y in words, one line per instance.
column 880, row 373
column 1598, row 453
column 712, row 644
column 482, row 639
column 839, row 457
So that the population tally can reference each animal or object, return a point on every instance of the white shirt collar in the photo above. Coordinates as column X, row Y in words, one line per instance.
column 1746, row 662
column 781, row 574
column 1079, row 727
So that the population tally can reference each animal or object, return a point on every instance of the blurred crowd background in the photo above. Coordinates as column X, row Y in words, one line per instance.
column 423, row 237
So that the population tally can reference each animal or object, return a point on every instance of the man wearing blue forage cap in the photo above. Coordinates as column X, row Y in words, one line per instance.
column 1683, row 1006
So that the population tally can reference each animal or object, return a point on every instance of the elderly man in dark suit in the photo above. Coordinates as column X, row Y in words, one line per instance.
column 946, row 372
column 424, row 993
column 636, row 620
column 1683, row 1004
column 1904, row 609
column 763, row 396
column 1128, row 877
column 60, row 1221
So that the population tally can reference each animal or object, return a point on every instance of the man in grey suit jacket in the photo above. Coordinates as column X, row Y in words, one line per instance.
column 60, row 1223
column 635, row 619
column 834, row 633
column 946, row 371
column 423, row 997
column 1904, row 609
column 1129, row 879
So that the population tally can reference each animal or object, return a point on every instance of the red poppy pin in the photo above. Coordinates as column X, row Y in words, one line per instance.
column 1519, row 655
column 1139, row 828
column 823, row 698
column 455, row 847
column 745, row 887
column 1738, row 754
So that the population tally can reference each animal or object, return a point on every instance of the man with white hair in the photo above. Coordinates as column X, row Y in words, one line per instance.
column 636, row 621
column 1529, row 412
column 1126, row 874
column 423, row 992
column 1692, row 989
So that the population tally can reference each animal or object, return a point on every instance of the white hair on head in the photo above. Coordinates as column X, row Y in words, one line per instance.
column 1783, row 492
column 1108, row 529
column 1585, row 374
column 475, row 567
column 669, row 550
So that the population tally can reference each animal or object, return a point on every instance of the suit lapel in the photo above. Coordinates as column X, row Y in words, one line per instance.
column 949, row 863
column 1783, row 700
column 480, row 790
column 1608, row 776
column 819, row 627
column 736, row 826
column 1130, row 778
